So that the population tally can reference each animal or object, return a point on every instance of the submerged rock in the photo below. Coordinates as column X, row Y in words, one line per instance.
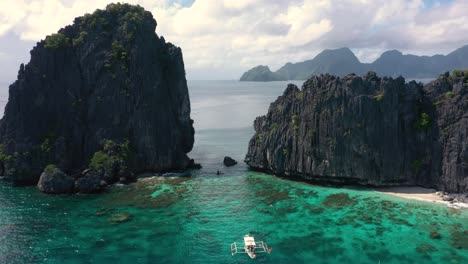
column 435, row 235
column 369, row 131
column 104, row 212
column 425, row 249
column 459, row 239
column 106, row 78
column 228, row 161
column 120, row 218
column 55, row 181
column 338, row 200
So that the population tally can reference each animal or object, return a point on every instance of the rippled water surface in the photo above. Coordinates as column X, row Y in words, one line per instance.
column 193, row 218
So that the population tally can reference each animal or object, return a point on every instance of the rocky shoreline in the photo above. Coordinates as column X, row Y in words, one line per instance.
column 453, row 197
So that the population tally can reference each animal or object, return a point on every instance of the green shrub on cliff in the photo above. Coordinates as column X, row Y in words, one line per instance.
column 379, row 97
column 99, row 161
column 459, row 73
column 45, row 146
column 295, row 122
column 449, row 94
column 112, row 153
column 4, row 157
column 299, row 95
column 130, row 15
column 116, row 8
column 56, row 41
column 50, row 168
column 259, row 138
column 424, row 121
column 81, row 39
column 119, row 55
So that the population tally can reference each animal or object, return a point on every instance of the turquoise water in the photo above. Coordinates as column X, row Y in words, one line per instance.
column 193, row 218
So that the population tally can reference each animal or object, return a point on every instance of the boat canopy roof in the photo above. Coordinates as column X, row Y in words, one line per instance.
column 249, row 241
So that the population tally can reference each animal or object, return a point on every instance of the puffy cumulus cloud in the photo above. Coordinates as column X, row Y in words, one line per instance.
column 223, row 38
column 236, row 35
column 11, row 13
column 32, row 20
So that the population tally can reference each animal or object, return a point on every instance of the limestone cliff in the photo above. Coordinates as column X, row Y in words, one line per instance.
column 368, row 130
column 107, row 81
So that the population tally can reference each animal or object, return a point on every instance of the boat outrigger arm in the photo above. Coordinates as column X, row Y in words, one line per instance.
column 250, row 247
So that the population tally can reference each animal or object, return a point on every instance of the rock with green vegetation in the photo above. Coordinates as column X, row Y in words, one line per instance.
column 108, row 77
column 367, row 130
column 261, row 73
column 55, row 181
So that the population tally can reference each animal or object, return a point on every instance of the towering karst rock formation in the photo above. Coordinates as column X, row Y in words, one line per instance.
column 105, row 93
column 368, row 130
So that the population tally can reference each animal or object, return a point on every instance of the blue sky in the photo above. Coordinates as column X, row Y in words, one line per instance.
column 431, row 3
column 221, row 39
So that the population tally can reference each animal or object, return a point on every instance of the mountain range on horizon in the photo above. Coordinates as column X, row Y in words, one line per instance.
column 342, row 61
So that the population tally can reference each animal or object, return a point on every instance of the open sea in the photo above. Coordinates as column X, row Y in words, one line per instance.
column 194, row 217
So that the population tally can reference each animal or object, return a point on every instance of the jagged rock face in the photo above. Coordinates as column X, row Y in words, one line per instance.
column 449, row 95
column 376, row 131
column 107, row 76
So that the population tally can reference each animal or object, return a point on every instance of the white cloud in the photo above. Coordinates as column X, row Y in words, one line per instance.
column 235, row 35
column 11, row 13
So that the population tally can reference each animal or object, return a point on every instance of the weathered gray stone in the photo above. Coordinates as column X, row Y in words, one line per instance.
column 370, row 131
column 55, row 181
column 89, row 184
column 228, row 161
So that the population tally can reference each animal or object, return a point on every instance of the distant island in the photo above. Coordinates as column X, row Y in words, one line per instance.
column 100, row 101
column 368, row 130
column 343, row 61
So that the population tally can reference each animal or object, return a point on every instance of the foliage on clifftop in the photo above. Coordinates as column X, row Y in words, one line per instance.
column 56, row 41
column 129, row 19
column 459, row 73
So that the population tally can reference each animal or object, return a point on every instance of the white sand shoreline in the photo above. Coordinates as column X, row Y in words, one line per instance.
column 420, row 194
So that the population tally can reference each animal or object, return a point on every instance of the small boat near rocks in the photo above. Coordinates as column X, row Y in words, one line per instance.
column 251, row 248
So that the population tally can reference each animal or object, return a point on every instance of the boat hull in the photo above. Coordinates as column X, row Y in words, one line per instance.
column 250, row 253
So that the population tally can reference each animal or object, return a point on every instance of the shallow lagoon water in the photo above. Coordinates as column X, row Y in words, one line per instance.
column 193, row 219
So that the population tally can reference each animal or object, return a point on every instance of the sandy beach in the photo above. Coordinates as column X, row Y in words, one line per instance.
column 421, row 194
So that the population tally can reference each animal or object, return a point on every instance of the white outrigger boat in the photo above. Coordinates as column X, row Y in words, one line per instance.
column 250, row 247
